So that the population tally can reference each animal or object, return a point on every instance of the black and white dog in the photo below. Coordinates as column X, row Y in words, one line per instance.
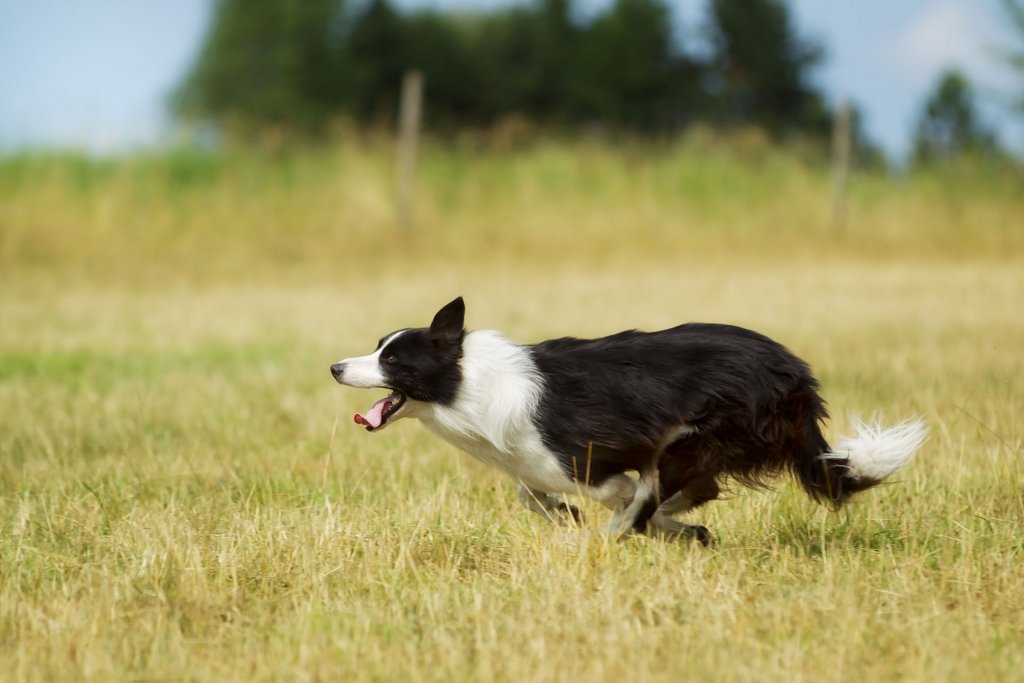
column 684, row 409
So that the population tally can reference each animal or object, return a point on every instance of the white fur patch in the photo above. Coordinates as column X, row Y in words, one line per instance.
column 614, row 493
column 874, row 452
column 622, row 520
column 492, row 415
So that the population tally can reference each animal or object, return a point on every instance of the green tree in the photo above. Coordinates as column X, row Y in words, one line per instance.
column 375, row 55
column 302, row 63
column 630, row 72
column 949, row 125
column 760, row 68
column 1015, row 57
column 266, row 62
column 440, row 47
column 526, row 55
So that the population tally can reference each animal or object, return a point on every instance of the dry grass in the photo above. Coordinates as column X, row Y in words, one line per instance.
column 185, row 497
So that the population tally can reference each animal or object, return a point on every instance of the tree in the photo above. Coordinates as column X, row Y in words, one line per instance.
column 761, row 69
column 441, row 49
column 376, row 55
column 525, row 55
column 300, row 64
column 949, row 125
column 266, row 62
column 1015, row 58
column 630, row 72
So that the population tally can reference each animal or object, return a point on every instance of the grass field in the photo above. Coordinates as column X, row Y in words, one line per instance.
column 184, row 496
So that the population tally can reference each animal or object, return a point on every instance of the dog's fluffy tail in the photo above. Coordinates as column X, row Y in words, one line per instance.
column 864, row 460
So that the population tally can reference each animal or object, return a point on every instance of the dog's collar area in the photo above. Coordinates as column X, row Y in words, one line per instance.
column 381, row 411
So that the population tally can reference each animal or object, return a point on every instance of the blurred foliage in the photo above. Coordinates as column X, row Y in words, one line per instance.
column 950, row 126
column 267, row 61
column 760, row 69
column 324, row 212
column 1015, row 57
column 302, row 65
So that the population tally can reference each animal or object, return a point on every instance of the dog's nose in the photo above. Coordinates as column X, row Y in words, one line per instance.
column 338, row 369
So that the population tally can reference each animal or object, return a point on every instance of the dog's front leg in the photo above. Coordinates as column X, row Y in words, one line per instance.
column 548, row 506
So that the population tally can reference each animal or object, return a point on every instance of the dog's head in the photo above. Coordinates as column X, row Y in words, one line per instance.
column 417, row 364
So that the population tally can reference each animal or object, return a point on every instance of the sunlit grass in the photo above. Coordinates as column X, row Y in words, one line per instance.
column 185, row 496
column 329, row 212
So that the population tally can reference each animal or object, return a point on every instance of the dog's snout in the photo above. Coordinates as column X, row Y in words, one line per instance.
column 338, row 369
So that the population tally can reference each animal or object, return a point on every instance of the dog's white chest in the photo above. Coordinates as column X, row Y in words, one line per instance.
column 529, row 461
column 492, row 416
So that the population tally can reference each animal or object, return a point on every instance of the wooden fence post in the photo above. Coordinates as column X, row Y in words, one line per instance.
column 409, row 115
column 842, row 134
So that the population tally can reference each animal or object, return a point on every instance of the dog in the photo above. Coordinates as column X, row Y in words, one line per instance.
column 649, row 424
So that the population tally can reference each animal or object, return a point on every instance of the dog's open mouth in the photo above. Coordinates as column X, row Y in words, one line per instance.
column 377, row 416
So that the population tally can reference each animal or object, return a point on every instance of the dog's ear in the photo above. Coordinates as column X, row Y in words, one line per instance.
column 447, row 324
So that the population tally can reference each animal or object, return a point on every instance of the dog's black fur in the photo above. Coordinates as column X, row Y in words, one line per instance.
column 753, row 407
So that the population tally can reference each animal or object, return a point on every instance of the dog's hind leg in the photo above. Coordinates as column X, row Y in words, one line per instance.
column 548, row 506
column 663, row 524
column 685, row 487
column 615, row 492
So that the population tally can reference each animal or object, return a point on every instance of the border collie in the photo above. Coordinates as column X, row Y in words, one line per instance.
column 649, row 424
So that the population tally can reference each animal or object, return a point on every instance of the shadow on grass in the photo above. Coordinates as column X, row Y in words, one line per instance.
column 811, row 538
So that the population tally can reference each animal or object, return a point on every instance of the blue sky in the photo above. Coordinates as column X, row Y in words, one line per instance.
column 96, row 74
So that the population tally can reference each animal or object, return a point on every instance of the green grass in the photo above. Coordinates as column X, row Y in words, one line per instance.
column 184, row 496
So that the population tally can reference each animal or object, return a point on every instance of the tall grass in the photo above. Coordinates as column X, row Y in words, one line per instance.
column 310, row 214
column 184, row 496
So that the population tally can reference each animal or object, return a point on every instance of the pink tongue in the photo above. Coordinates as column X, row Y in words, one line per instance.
column 375, row 415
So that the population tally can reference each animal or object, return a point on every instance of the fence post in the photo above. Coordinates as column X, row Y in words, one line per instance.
column 409, row 115
column 842, row 134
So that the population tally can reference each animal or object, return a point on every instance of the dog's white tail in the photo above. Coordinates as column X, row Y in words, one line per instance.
column 874, row 452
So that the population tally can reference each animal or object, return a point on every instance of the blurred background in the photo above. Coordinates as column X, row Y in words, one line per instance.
column 110, row 77
column 203, row 204
column 546, row 129
column 231, row 137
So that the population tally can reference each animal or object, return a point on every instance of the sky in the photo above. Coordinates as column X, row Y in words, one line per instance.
column 96, row 75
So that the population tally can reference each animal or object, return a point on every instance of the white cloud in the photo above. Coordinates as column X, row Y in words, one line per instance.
column 949, row 34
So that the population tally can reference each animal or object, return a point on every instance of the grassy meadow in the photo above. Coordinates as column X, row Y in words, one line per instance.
column 183, row 495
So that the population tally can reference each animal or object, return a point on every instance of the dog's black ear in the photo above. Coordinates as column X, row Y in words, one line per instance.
column 447, row 324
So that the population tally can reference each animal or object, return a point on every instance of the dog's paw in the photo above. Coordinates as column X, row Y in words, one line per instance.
column 570, row 511
column 700, row 533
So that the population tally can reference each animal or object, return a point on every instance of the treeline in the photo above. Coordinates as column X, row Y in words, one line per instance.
column 302, row 64
column 299, row 65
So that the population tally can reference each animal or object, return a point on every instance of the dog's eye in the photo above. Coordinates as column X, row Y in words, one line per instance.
column 390, row 360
